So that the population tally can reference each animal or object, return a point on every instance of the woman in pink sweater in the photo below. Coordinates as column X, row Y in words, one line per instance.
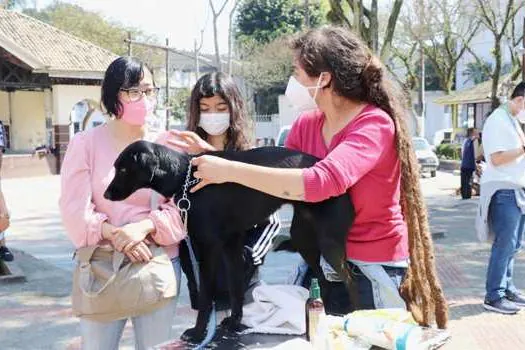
column 354, row 122
column 129, row 96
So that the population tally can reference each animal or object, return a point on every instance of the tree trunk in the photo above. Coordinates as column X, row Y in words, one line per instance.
column 216, row 42
column 390, row 29
column 449, row 82
column 495, row 75
column 357, row 16
column 230, row 37
column 374, row 28
column 196, row 53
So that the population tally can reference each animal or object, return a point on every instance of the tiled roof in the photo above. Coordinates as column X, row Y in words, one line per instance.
column 479, row 93
column 48, row 49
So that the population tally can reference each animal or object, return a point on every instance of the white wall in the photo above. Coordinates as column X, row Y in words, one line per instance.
column 66, row 96
column 4, row 107
column 437, row 117
column 287, row 113
column 269, row 127
column 28, row 126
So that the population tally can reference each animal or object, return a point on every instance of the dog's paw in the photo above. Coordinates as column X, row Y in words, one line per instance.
column 193, row 335
column 232, row 325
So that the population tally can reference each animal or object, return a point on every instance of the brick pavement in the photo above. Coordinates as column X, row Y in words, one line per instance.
column 461, row 264
column 36, row 315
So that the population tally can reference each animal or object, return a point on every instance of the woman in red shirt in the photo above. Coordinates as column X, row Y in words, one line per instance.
column 354, row 122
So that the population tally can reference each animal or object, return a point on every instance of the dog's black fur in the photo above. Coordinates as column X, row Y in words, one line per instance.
column 220, row 214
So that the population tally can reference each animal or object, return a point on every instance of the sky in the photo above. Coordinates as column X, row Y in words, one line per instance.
column 179, row 20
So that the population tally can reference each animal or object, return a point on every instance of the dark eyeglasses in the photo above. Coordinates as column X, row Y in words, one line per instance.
column 136, row 94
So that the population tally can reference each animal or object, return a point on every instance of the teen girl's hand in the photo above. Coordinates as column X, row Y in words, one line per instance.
column 189, row 142
column 130, row 238
column 140, row 253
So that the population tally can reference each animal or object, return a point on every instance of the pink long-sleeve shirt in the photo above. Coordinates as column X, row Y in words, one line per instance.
column 361, row 160
column 86, row 172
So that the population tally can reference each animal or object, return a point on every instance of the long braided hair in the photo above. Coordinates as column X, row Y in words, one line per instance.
column 360, row 76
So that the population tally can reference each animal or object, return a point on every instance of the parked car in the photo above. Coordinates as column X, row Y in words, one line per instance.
column 442, row 136
column 427, row 159
column 283, row 133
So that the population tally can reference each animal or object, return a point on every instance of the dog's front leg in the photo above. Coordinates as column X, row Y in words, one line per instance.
column 207, row 271
column 235, row 274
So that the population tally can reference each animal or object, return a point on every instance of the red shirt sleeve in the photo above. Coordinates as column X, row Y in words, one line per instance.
column 362, row 147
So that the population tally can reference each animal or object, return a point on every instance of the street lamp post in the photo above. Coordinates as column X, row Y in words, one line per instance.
column 523, row 54
column 167, row 99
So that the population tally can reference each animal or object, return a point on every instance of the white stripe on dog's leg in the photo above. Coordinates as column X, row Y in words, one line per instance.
column 269, row 232
column 265, row 247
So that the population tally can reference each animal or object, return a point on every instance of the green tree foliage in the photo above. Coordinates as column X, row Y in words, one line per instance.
column 263, row 21
column 363, row 18
column 13, row 4
column 179, row 103
column 478, row 71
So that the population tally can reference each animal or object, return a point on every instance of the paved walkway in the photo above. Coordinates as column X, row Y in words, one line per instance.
column 36, row 315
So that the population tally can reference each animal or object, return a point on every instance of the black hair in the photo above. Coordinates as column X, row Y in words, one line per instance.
column 223, row 85
column 123, row 73
column 519, row 90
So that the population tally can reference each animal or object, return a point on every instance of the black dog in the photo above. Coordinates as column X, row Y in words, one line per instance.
column 220, row 214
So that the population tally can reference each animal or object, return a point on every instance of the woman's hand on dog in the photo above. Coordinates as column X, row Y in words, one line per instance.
column 211, row 170
column 189, row 142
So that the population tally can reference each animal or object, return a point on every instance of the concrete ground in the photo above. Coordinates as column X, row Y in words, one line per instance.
column 36, row 314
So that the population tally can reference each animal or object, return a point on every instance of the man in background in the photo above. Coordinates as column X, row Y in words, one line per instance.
column 468, row 162
column 5, row 253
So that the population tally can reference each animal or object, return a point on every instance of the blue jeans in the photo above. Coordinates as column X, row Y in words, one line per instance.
column 150, row 329
column 507, row 222
column 383, row 290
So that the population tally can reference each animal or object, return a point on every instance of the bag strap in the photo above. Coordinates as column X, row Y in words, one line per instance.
column 118, row 259
column 84, row 254
column 154, row 200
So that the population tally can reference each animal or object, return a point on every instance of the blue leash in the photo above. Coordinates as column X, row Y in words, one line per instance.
column 212, row 322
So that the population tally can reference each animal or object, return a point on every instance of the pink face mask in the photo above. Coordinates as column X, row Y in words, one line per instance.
column 135, row 113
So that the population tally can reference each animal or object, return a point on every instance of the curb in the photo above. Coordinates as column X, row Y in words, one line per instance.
column 11, row 272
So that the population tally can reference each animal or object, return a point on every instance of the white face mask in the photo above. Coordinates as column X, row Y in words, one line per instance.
column 299, row 96
column 521, row 116
column 215, row 123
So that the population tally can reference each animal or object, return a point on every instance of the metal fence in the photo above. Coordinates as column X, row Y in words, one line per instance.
column 266, row 128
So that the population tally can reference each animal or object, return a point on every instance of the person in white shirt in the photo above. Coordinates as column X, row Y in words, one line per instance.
column 502, row 203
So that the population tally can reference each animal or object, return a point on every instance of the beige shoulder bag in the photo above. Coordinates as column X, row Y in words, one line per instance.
column 107, row 286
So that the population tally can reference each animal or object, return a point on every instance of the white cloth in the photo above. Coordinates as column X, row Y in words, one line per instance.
column 293, row 344
column 277, row 309
column 501, row 133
